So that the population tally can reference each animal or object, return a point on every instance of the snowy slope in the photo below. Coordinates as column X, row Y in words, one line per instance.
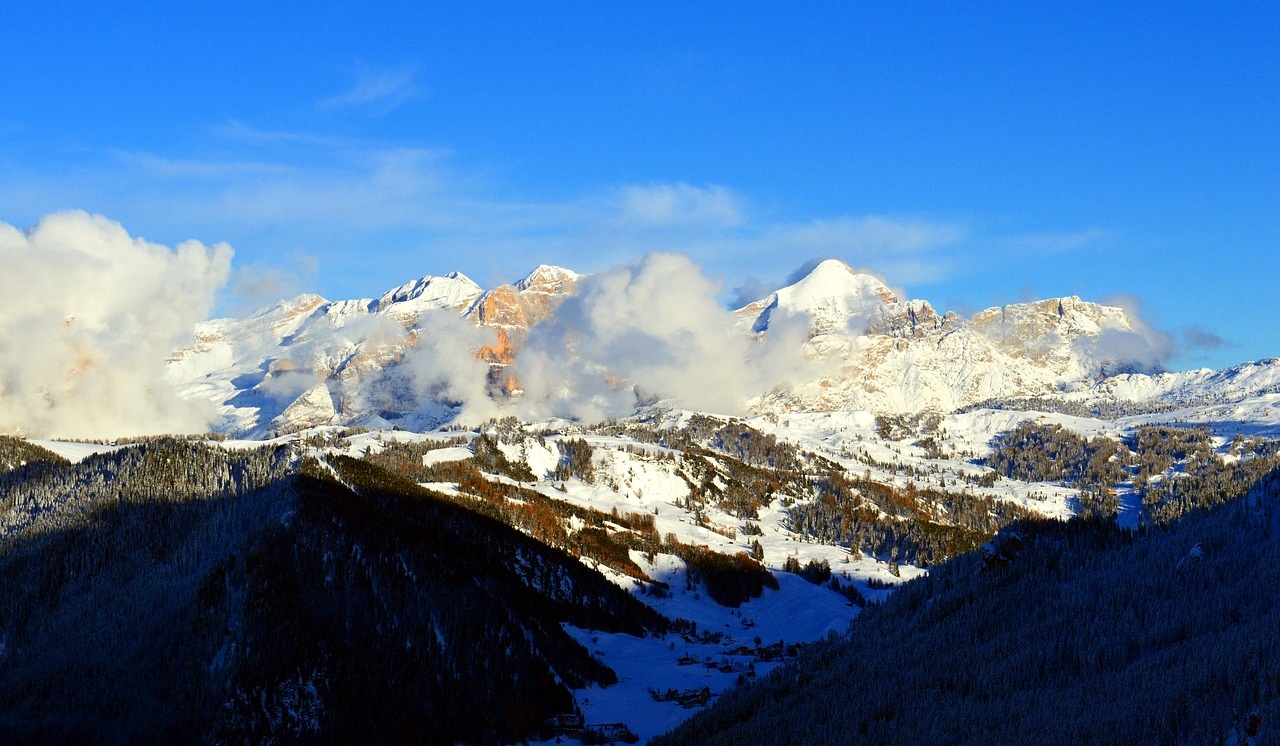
column 1200, row 386
column 643, row 477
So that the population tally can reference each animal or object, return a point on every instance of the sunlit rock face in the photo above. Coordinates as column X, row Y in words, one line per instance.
column 512, row 310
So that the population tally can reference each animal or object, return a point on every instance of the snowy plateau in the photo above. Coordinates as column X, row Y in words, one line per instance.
column 871, row 439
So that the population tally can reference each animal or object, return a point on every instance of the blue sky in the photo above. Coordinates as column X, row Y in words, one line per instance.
column 971, row 155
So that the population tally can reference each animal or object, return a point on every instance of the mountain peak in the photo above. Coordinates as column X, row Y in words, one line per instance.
column 448, row 291
column 547, row 278
column 831, row 295
column 830, row 267
column 834, row 283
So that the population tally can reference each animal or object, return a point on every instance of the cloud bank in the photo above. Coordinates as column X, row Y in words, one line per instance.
column 442, row 365
column 88, row 318
column 1144, row 347
column 649, row 329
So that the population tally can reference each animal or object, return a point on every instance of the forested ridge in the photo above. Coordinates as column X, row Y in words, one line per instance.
column 175, row 592
column 1172, row 469
column 605, row 538
column 741, row 470
column 16, row 452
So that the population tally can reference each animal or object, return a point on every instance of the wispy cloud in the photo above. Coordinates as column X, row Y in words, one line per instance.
column 1197, row 344
column 1147, row 343
column 239, row 131
column 348, row 186
column 272, row 192
column 877, row 235
column 377, row 189
column 380, row 88
column 1187, row 343
column 666, row 205
column 205, row 170
column 905, row 250
column 1197, row 338
column 1058, row 243
column 256, row 285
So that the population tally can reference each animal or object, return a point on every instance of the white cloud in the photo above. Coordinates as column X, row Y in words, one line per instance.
column 287, row 385
column 367, row 190
column 237, row 130
column 872, row 235
column 1058, row 243
column 287, row 191
column 384, row 88
column 442, row 365
column 664, row 205
column 89, row 316
column 651, row 329
column 902, row 250
column 257, row 285
column 1142, row 346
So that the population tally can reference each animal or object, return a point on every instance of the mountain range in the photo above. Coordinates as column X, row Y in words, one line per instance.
column 855, row 344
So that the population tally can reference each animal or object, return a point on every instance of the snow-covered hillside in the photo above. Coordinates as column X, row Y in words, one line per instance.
column 838, row 507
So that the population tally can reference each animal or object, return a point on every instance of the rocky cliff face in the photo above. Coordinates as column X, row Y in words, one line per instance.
column 512, row 310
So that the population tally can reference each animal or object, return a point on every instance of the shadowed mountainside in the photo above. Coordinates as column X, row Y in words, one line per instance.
column 298, row 609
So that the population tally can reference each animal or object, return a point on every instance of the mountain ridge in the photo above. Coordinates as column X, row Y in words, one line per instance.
column 861, row 345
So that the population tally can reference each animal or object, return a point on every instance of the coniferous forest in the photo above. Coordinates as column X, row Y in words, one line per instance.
column 178, row 593
column 1075, row 632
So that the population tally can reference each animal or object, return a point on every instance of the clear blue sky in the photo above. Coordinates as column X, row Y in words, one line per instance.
column 974, row 154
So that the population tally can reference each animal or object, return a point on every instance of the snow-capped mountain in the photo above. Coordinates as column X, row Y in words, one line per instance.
column 310, row 361
column 888, row 354
column 755, row 533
